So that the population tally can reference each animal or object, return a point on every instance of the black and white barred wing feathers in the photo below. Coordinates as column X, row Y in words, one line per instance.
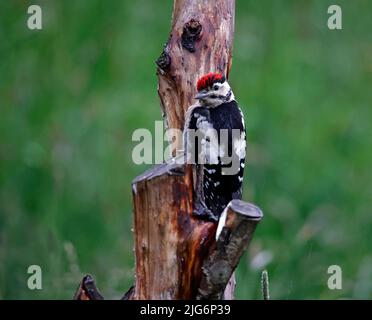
column 221, row 151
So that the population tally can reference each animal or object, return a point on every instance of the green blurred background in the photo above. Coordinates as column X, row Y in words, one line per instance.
column 72, row 94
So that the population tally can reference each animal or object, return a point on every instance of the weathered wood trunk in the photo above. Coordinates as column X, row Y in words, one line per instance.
column 178, row 255
column 173, row 248
column 201, row 41
column 170, row 244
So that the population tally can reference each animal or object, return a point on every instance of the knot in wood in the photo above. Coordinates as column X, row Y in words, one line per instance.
column 191, row 33
column 164, row 61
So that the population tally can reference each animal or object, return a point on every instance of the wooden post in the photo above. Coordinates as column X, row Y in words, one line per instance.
column 177, row 255
column 170, row 244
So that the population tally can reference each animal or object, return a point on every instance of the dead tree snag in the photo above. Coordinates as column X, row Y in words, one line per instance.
column 177, row 255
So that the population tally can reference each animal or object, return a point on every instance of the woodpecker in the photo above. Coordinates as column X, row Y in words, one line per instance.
column 218, row 145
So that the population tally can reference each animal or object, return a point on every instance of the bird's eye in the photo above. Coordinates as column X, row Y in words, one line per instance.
column 216, row 87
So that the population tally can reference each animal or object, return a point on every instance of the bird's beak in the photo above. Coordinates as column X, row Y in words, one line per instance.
column 201, row 95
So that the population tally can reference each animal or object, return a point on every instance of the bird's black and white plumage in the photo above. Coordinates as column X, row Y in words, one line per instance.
column 218, row 148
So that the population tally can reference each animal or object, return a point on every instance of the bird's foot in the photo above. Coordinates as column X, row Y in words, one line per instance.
column 201, row 211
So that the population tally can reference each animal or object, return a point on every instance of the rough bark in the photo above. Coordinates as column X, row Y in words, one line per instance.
column 170, row 243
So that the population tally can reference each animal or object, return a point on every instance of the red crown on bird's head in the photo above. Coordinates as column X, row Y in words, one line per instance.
column 209, row 79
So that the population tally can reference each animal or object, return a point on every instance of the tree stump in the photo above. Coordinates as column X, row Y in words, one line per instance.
column 177, row 255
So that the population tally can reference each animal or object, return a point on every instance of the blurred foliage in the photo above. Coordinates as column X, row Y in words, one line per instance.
column 72, row 94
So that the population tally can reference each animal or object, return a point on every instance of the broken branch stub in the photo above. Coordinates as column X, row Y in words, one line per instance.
column 235, row 230
column 87, row 290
